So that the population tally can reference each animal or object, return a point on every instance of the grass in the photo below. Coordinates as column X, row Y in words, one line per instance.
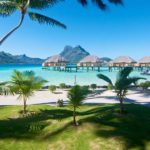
column 50, row 128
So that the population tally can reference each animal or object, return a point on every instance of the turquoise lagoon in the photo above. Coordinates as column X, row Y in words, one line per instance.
column 56, row 77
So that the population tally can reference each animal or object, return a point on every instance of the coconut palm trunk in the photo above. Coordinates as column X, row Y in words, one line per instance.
column 121, row 105
column 74, row 115
column 24, row 105
column 14, row 29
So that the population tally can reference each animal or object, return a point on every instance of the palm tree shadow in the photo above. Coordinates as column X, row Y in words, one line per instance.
column 133, row 128
column 32, row 125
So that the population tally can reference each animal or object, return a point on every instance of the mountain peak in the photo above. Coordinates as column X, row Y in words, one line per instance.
column 74, row 54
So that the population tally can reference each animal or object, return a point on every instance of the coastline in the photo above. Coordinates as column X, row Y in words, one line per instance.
column 102, row 97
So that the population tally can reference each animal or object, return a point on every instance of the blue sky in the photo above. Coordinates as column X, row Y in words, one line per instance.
column 121, row 30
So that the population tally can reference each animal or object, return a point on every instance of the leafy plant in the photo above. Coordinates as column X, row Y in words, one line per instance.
column 145, row 85
column 4, row 88
column 62, row 85
column 122, row 83
column 25, row 84
column 52, row 88
column 93, row 86
column 60, row 103
column 76, row 96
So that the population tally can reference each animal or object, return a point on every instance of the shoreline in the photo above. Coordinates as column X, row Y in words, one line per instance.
column 103, row 97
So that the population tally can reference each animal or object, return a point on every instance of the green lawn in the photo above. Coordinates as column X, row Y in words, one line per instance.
column 50, row 128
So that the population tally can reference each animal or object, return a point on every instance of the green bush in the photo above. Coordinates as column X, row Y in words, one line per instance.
column 60, row 103
column 145, row 85
column 62, row 85
column 85, row 89
column 93, row 86
column 52, row 88
column 110, row 87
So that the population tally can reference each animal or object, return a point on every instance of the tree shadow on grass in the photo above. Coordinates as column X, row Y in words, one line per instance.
column 32, row 125
column 132, row 128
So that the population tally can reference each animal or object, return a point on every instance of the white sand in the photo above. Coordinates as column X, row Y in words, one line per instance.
column 105, row 97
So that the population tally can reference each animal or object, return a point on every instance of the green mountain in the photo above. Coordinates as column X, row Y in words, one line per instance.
column 6, row 58
column 74, row 54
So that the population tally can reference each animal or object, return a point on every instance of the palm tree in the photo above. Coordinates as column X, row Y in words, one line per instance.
column 4, row 88
column 8, row 7
column 76, row 96
column 100, row 3
column 25, row 84
column 122, row 83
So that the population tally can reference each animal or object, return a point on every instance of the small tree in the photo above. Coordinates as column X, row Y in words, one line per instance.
column 122, row 83
column 4, row 88
column 25, row 84
column 145, row 85
column 52, row 88
column 76, row 96
column 93, row 86
column 62, row 85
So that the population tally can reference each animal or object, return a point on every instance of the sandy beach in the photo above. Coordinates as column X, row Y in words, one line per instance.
column 101, row 97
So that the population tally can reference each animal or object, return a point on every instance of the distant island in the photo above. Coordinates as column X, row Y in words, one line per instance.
column 7, row 58
column 73, row 54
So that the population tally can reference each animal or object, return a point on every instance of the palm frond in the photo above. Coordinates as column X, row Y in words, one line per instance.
column 100, row 3
column 41, row 4
column 116, row 1
column 134, row 80
column 105, row 78
column 83, row 2
column 45, row 20
column 124, row 73
column 4, row 88
column 7, row 8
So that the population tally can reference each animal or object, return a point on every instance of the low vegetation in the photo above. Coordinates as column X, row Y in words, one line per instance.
column 62, row 85
column 145, row 85
column 52, row 88
column 93, row 86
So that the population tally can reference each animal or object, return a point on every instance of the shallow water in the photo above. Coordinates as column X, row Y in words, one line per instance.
column 56, row 77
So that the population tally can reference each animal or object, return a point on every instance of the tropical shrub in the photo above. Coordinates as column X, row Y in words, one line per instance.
column 60, row 103
column 145, row 85
column 62, row 85
column 110, row 87
column 52, row 88
column 93, row 86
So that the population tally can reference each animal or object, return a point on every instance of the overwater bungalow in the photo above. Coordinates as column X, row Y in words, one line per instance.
column 56, row 62
column 144, row 62
column 121, row 62
column 90, row 61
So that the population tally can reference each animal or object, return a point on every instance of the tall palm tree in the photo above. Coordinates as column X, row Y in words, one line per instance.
column 122, row 83
column 76, row 96
column 25, row 84
column 8, row 7
column 101, row 3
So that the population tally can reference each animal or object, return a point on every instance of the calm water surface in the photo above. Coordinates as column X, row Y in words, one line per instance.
column 56, row 77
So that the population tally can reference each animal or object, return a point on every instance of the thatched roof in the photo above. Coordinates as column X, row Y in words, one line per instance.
column 123, row 59
column 91, row 59
column 56, row 59
column 145, row 60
